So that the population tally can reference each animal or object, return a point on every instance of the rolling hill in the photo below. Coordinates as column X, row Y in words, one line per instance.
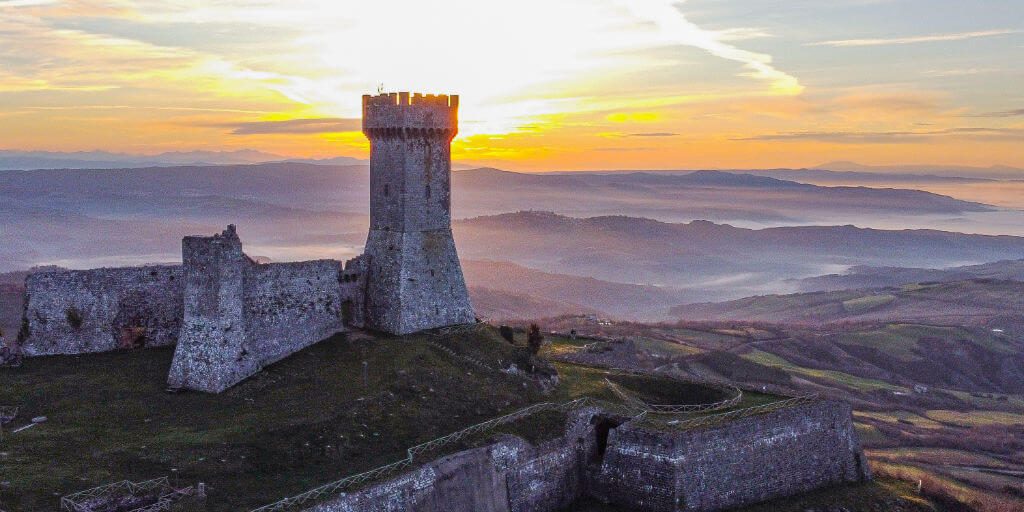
column 979, row 302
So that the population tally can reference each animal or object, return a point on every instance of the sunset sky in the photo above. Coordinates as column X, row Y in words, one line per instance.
column 545, row 84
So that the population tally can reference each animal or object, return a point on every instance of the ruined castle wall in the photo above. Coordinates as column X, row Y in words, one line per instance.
column 80, row 311
column 240, row 316
column 468, row 481
column 746, row 461
column 509, row 475
column 289, row 306
column 552, row 476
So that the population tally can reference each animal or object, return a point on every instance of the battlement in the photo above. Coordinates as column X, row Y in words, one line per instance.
column 403, row 114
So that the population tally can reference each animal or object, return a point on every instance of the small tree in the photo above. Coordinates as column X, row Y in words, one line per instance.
column 74, row 317
column 507, row 333
column 534, row 339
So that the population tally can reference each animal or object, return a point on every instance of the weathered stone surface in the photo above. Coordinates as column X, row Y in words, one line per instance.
column 80, row 311
column 231, row 316
column 746, row 461
column 509, row 475
column 240, row 316
column 415, row 280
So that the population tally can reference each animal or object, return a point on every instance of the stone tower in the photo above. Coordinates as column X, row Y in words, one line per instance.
column 211, row 347
column 414, row 280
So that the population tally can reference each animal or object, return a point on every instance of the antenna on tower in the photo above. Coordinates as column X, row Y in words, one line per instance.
column 380, row 88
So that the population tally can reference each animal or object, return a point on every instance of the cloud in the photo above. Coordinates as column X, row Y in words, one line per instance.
column 652, row 134
column 25, row 3
column 893, row 137
column 1003, row 113
column 675, row 27
column 302, row 126
column 957, row 36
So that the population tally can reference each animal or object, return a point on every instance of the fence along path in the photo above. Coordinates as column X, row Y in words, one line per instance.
column 89, row 499
column 675, row 408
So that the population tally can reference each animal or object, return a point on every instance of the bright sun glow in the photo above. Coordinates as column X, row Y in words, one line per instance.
column 566, row 84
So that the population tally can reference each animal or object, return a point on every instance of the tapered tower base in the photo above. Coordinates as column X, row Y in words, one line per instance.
column 415, row 282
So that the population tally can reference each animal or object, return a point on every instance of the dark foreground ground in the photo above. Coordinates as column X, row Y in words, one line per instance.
column 310, row 419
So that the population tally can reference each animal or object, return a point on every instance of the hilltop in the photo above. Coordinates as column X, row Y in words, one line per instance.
column 262, row 440
column 976, row 302
column 939, row 403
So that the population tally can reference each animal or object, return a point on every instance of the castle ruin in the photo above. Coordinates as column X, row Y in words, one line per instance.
column 231, row 316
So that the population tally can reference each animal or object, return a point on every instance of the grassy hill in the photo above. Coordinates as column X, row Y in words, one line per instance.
column 976, row 302
column 943, row 404
column 305, row 421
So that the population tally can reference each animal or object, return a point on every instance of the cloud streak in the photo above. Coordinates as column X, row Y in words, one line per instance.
column 931, row 38
column 1003, row 113
column 675, row 27
column 892, row 137
column 296, row 126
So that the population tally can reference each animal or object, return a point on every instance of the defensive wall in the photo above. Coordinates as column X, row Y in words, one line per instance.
column 241, row 316
column 702, row 467
column 79, row 311
column 724, row 465
column 229, row 315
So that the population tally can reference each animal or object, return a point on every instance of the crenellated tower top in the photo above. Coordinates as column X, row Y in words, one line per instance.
column 403, row 114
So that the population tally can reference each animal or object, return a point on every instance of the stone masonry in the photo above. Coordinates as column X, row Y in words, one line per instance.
column 241, row 316
column 415, row 281
column 746, row 461
column 749, row 460
column 231, row 316
column 74, row 312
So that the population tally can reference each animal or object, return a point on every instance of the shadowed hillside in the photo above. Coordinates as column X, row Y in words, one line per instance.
column 981, row 302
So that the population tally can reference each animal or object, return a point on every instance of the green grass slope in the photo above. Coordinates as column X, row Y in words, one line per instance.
column 981, row 302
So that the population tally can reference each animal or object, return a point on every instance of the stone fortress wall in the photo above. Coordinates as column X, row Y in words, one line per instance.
column 748, row 460
column 79, row 311
column 241, row 316
column 780, row 453
column 231, row 316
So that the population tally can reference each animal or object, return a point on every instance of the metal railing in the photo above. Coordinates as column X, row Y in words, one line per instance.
column 725, row 417
column 83, row 501
column 675, row 408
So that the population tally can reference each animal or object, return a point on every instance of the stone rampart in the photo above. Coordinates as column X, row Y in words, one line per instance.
column 745, row 461
column 240, row 316
column 509, row 475
column 81, row 311
column 748, row 460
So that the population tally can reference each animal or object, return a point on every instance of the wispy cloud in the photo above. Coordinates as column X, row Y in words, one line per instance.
column 652, row 134
column 306, row 126
column 931, row 38
column 892, row 137
column 675, row 27
column 25, row 3
column 1002, row 113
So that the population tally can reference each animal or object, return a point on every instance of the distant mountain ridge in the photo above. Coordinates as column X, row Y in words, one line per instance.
column 880, row 277
column 29, row 160
column 987, row 303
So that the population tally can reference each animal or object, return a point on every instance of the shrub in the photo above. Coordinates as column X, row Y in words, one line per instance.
column 534, row 339
column 74, row 317
column 507, row 333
